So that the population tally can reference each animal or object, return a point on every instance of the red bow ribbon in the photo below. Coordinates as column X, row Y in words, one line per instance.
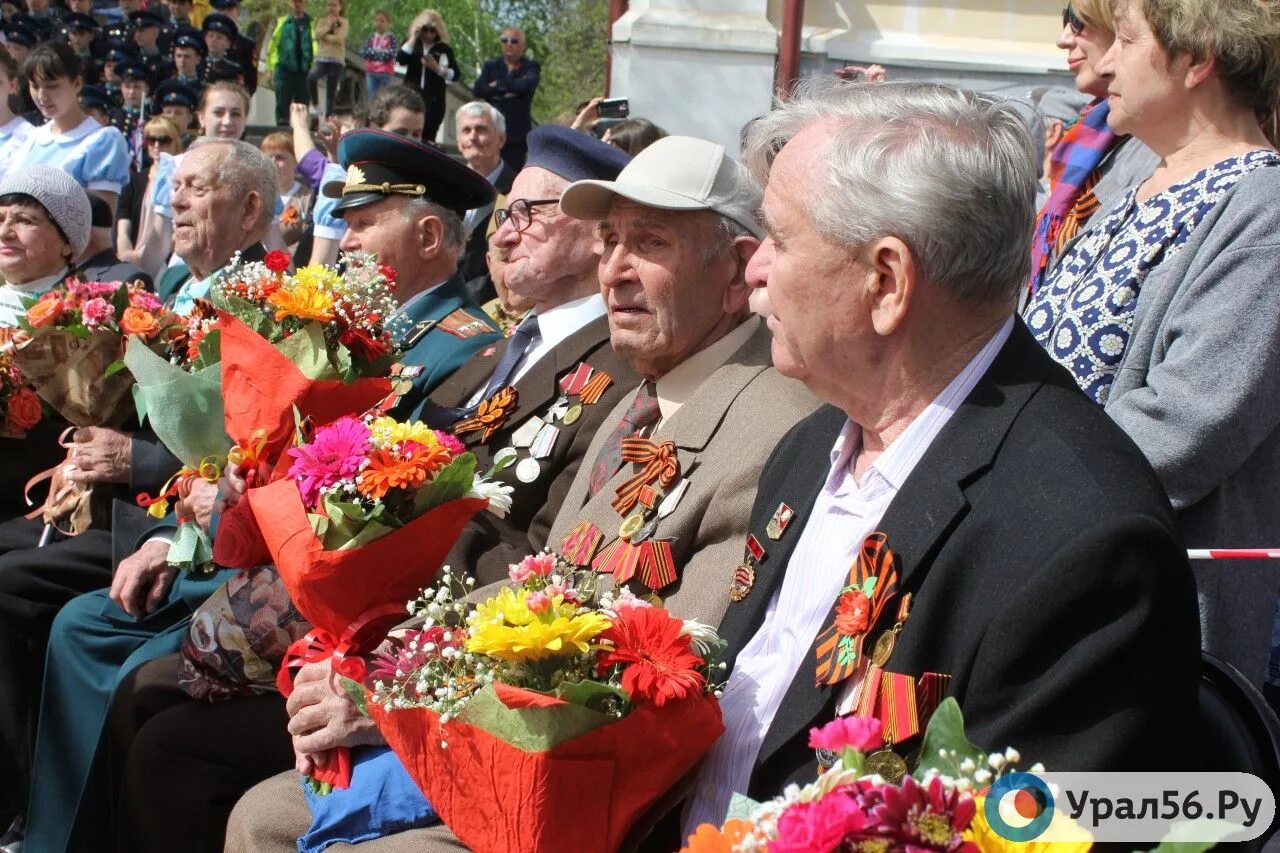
column 660, row 465
column 320, row 643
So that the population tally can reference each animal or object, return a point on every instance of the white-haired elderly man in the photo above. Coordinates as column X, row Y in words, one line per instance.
column 481, row 132
column 1024, row 553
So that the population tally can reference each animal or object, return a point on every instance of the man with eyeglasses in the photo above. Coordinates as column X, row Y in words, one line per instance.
column 508, row 83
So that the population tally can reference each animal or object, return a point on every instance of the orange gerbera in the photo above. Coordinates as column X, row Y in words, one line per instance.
column 304, row 302
column 388, row 470
column 708, row 839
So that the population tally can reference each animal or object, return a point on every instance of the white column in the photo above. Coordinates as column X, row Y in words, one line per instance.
column 701, row 72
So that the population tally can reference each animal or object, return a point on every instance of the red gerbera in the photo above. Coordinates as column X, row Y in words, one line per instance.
column 362, row 344
column 658, row 664
column 276, row 260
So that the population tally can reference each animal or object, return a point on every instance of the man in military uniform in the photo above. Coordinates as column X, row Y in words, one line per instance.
column 81, row 30
column 147, row 27
column 135, row 83
column 187, row 55
column 177, row 102
column 220, row 33
column 106, row 73
column 244, row 49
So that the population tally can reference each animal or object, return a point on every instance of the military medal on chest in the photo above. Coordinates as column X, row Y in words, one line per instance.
column 640, row 502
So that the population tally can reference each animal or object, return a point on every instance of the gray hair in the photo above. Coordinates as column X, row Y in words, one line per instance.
column 475, row 109
column 725, row 232
column 454, row 235
column 245, row 169
column 950, row 173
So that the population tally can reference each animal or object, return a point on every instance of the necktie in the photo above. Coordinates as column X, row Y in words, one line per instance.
column 443, row 417
column 644, row 413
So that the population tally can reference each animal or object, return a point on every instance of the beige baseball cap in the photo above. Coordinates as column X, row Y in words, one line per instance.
column 674, row 173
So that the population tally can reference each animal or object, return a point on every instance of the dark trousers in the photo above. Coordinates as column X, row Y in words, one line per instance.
column 35, row 583
column 180, row 764
column 433, row 119
column 291, row 88
column 331, row 73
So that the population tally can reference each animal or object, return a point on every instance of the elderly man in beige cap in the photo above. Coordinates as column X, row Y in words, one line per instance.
column 677, row 229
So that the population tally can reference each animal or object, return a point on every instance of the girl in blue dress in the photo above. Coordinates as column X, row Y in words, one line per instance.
column 14, row 129
column 96, row 156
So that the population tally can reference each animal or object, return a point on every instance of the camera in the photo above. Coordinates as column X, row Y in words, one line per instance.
column 614, row 108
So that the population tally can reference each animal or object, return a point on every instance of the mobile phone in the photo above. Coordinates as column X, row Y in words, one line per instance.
column 614, row 108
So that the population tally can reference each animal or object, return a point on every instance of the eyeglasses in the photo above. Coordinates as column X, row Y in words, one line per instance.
column 158, row 140
column 520, row 212
column 1071, row 19
column 506, row 40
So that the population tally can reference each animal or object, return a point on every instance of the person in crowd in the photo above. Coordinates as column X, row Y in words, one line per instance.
column 508, row 83
column 159, row 136
column 18, row 41
column 1057, row 109
column 290, row 52
column 331, row 56
column 294, row 195
column 176, row 101
column 677, row 229
column 559, row 272
column 221, row 61
column 481, row 131
column 244, row 47
column 379, row 55
column 943, row 414
column 188, row 52
column 1177, row 277
column 41, row 236
column 14, row 129
column 223, row 193
column 135, row 81
column 429, row 64
column 101, row 107
column 508, row 308
column 99, row 261
column 81, row 31
column 1092, row 166
column 147, row 25
column 633, row 135
column 95, row 156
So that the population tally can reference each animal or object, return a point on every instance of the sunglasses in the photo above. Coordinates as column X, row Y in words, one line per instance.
column 158, row 140
column 1072, row 20
column 510, row 41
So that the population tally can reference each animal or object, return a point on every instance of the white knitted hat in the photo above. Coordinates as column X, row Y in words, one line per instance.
column 65, row 200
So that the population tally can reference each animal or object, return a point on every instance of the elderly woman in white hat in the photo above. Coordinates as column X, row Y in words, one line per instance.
column 45, row 220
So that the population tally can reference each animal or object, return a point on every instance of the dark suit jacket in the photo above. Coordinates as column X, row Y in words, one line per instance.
column 512, row 94
column 1048, row 580
column 489, row 543
column 107, row 266
column 472, row 264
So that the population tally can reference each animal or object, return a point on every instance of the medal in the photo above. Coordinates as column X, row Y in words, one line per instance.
column 527, row 432
column 744, row 578
column 558, row 408
column 528, row 470
column 646, row 531
column 572, row 415
column 544, row 442
column 631, row 525
column 781, row 519
column 672, row 500
column 504, row 458
column 888, row 765
column 575, row 380
column 884, row 647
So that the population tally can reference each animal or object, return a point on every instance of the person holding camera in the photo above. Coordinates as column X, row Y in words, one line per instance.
column 331, row 55
column 429, row 64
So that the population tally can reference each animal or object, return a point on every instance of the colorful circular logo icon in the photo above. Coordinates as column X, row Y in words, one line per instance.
column 1030, row 799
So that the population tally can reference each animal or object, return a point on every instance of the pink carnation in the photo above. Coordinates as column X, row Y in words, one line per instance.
column 860, row 733
column 537, row 602
column 145, row 300
column 334, row 454
column 540, row 565
column 101, row 288
column 450, row 443
column 821, row 825
column 97, row 312
column 628, row 602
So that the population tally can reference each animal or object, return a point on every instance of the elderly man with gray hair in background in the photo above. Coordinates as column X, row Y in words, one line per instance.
column 481, row 131
column 960, row 520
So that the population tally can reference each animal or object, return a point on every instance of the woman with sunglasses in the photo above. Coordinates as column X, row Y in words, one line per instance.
column 429, row 64
column 160, row 136
column 1092, row 166
column 1165, row 310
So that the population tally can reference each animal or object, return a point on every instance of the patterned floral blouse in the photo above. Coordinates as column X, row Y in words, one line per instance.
column 1084, row 313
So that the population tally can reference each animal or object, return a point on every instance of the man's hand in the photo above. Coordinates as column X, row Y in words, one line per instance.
column 100, row 456
column 142, row 579
column 198, row 503
column 322, row 717
column 299, row 118
column 231, row 487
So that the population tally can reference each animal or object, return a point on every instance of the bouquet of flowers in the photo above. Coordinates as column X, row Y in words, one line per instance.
column 942, row 807
column 543, row 721
column 20, row 408
column 362, row 520
column 76, row 335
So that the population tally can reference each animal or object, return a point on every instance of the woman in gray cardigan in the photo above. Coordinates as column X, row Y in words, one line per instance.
column 1167, row 312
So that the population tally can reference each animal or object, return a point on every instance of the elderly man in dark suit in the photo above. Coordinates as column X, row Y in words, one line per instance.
column 1025, row 556
column 508, row 83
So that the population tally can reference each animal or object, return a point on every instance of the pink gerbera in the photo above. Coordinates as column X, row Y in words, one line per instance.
column 450, row 443
column 333, row 455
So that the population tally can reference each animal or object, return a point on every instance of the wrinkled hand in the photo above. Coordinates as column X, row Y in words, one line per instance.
column 100, row 455
column 142, row 579
column 231, row 487
column 322, row 717
column 198, row 503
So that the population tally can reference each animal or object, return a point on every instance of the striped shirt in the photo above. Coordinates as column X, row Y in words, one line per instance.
column 846, row 511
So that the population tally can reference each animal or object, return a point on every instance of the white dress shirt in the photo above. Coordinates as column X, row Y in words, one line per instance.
column 846, row 511
column 475, row 214
column 679, row 384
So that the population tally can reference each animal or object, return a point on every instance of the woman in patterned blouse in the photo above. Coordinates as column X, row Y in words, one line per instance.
column 1165, row 311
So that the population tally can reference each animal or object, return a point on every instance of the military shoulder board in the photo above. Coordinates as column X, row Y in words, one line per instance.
column 463, row 325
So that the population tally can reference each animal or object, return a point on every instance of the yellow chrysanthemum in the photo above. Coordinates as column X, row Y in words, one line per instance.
column 388, row 431
column 505, row 628
column 319, row 277
column 302, row 301
column 1069, row 836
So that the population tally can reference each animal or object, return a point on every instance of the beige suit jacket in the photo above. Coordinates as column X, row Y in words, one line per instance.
column 723, row 435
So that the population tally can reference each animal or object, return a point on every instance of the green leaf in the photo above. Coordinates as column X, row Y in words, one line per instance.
column 120, row 300
column 113, row 368
column 453, row 482
column 946, row 732
column 209, row 350
column 1173, row 843
column 307, row 349
column 591, row 694
column 249, row 313
column 355, row 692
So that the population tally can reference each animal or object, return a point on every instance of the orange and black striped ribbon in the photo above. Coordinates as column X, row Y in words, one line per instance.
column 490, row 416
column 657, row 565
column 651, row 562
column 1086, row 206
column 579, row 544
column 599, row 383
column 838, row 655
column 620, row 558
column 660, row 465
